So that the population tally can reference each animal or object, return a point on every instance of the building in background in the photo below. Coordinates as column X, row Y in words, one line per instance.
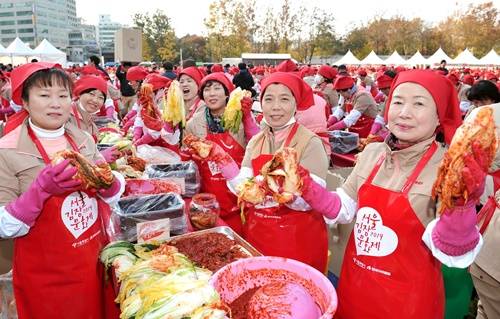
column 106, row 30
column 35, row 20
column 82, row 43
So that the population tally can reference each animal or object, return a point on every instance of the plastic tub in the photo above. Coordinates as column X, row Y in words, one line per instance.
column 234, row 279
column 133, row 210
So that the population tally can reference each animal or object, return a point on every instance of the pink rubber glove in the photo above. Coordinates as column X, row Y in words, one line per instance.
column 319, row 198
column 331, row 120
column 129, row 116
column 145, row 139
column 52, row 180
column 250, row 126
column 138, row 132
column 456, row 232
column 110, row 112
column 168, row 128
column 111, row 154
column 340, row 125
column 128, row 125
column 375, row 128
column 112, row 191
column 227, row 166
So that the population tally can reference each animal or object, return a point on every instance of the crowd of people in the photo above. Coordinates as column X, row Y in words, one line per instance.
column 406, row 117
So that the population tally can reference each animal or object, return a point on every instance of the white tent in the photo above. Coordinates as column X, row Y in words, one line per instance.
column 45, row 51
column 348, row 58
column 395, row 59
column 372, row 58
column 438, row 56
column 491, row 58
column 416, row 59
column 465, row 57
column 19, row 48
column 2, row 50
column 17, row 53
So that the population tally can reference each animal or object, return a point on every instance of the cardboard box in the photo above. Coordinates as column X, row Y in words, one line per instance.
column 128, row 45
column 338, row 235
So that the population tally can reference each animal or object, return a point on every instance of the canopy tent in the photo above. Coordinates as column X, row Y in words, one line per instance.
column 372, row 58
column 416, row 59
column 395, row 59
column 19, row 48
column 438, row 56
column 45, row 51
column 465, row 57
column 491, row 58
column 348, row 58
column 17, row 52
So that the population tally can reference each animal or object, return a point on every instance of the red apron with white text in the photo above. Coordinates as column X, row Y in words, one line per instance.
column 284, row 232
column 363, row 125
column 388, row 272
column 213, row 182
column 57, row 272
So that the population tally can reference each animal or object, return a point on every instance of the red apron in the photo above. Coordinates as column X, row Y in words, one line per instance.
column 57, row 273
column 77, row 115
column 284, row 232
column 489, row 208
column 363, row 125
column 388, row 272
column 213, row 182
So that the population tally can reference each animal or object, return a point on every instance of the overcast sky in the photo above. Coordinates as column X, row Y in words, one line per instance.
column 187, row 15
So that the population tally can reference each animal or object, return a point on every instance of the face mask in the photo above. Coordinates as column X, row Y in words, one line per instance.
column 318, row 79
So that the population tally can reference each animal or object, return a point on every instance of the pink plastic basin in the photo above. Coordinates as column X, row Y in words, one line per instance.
column 234, row 279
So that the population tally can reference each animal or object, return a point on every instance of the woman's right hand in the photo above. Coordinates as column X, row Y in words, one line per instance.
column 58, row 179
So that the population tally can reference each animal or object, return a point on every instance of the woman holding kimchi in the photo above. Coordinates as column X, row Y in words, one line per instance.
column 54, row 212
column 90, row 93
column 293, row 230
column 207, row 124
column 392, row 263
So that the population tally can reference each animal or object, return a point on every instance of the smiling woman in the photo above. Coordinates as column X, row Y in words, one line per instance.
column 34, row 191
column 90, row 95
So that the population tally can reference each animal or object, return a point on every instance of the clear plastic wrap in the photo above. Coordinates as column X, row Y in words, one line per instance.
column 151, row 186
column 343, row 142
column 102, row 146
column 157, row 154
column 133, row 210
column 103, row 121
column 7, row 302
column 186, row 172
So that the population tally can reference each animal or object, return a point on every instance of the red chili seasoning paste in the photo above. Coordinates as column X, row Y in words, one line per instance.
column 211, row 251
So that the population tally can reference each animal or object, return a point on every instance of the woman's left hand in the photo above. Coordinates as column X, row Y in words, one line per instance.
column 111, row 154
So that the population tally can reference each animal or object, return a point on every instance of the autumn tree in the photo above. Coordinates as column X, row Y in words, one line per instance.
column 230, row 26
column 194, row 47
column 158, row 36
